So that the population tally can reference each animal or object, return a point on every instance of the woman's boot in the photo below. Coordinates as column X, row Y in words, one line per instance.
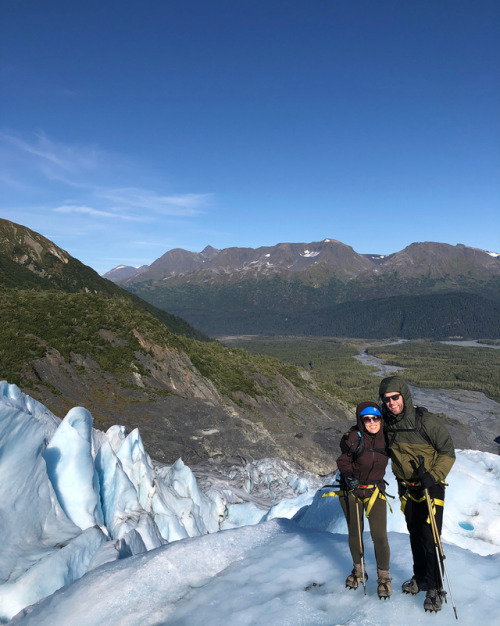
column 384, row 584
column 355, row 577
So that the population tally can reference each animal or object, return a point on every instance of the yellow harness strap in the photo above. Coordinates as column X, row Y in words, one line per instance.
column 435, row 502
column 407, row 495
column 371, row 500
column 404, row 500
column 335, row 494
column 403, row 504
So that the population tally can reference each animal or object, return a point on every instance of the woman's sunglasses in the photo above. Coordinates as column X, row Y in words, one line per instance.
column 371, row 418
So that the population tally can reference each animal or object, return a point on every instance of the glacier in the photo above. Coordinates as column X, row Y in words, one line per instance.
column 95, row 531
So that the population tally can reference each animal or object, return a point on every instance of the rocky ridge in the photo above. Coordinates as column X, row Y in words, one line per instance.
column 180, row 413
column 333, row 257
column 70, row 338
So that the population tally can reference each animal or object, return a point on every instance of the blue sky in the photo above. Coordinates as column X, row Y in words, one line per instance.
column 128, row 128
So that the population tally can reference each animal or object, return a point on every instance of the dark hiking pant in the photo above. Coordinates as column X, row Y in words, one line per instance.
column 425, row 562
column 378, row 529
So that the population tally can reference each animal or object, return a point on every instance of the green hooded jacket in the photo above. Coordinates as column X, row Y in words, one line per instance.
column 406, row 447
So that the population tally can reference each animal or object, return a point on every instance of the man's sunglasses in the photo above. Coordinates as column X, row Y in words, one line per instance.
column 395, row 398
column 371, row 418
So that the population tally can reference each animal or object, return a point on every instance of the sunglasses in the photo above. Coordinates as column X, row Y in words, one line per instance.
column 395, row 398
column 371, row 418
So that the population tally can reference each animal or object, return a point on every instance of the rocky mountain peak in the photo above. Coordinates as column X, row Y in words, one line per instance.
column 441, row 259
column 27, row 247
column 209, row 251
column 281, row 259
column 122, row 272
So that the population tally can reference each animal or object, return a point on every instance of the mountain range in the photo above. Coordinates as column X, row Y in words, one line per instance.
column 428, row 289
column 69, row 337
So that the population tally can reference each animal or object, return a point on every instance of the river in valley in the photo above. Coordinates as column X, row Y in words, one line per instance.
column 475, row 418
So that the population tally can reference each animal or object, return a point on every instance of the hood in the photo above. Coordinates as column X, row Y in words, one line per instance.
column 365, row 405
column 393, row 384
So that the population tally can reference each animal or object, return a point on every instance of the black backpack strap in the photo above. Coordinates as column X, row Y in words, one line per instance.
column 357, row 447
column 419, row 412
column 379, row 450
column 360, row 446
column 389, row 443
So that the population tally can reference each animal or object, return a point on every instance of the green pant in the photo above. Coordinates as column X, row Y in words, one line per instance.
column 378, row 529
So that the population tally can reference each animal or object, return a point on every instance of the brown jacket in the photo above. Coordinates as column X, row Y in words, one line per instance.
column 363, row 454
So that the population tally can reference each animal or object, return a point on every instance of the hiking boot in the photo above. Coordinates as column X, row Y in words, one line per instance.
column 384, row 584
column 355, row 577
column 413, row 586
column 433, row 601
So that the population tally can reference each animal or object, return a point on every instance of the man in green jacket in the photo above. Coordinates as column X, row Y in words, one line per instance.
column 413, row 432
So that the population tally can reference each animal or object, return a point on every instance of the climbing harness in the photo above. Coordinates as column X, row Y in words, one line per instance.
column 377, row 493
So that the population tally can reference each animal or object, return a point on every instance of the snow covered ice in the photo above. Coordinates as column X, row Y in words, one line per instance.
column 94, row 532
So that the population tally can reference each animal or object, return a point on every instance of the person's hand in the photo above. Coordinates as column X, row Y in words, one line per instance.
column 350, row 480
column 426, row 479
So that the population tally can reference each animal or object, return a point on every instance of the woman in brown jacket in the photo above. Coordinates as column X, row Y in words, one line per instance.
column 362, row 467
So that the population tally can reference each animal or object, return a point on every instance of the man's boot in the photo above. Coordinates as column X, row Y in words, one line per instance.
column 433, row 601
column 384, row 584
column 413, row 586
column 355, row 577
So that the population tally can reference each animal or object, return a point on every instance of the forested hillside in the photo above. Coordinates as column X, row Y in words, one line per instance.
column 325, row 288
column 69, row 337
column 281, row 307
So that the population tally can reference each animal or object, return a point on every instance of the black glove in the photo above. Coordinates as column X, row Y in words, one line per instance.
column 350, row 480
column 426, row 479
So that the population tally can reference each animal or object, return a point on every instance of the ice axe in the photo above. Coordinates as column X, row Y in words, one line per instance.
column 361, row 550
column 437, row 540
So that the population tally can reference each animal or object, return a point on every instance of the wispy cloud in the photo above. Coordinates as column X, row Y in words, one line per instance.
column 73, row 176
column 178, row 205
column 85, row 210
column 94, row 202
column 36, row 150
column 158, row 244
column 55, row 159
